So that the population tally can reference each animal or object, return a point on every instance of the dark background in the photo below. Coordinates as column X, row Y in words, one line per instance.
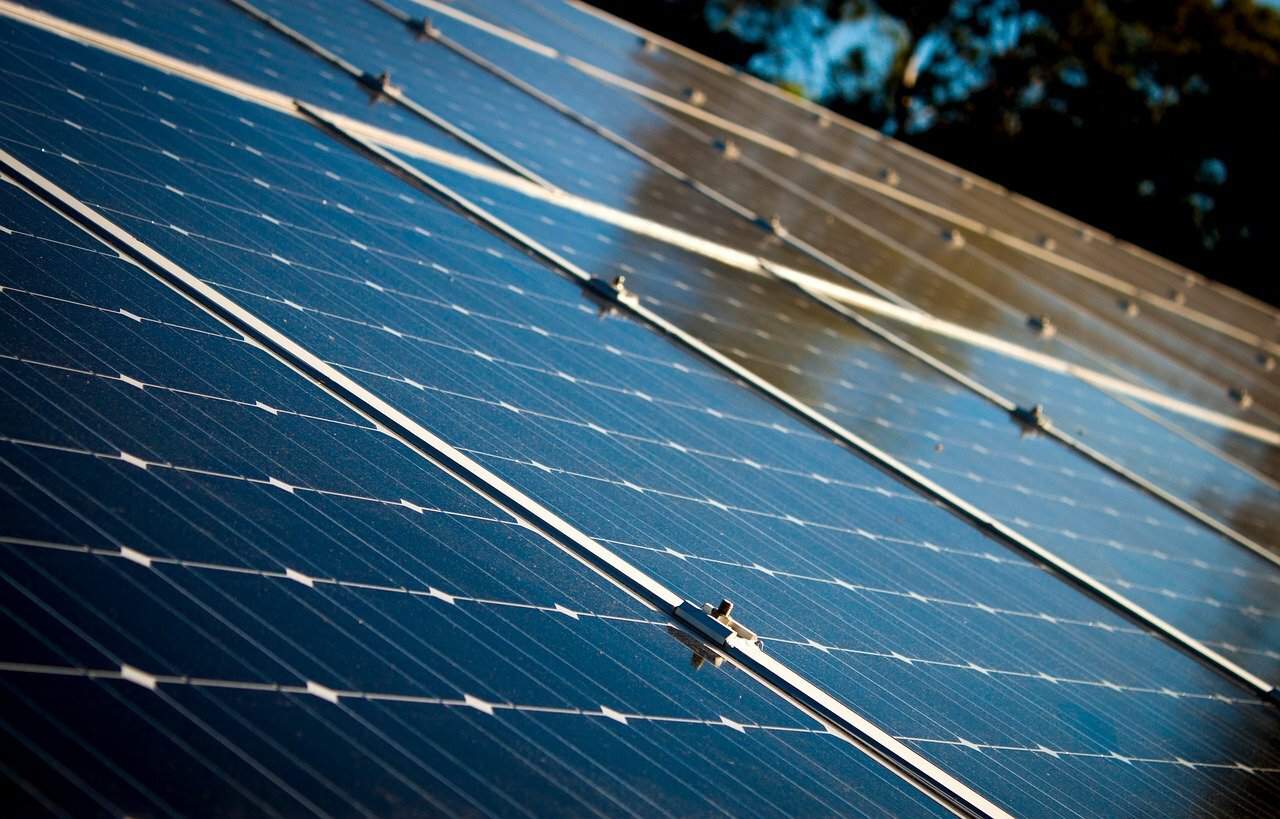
column 1154, row 120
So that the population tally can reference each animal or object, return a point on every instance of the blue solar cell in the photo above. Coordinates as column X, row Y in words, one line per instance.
column 1122, row 433
column 521, row 127
column 574, row 31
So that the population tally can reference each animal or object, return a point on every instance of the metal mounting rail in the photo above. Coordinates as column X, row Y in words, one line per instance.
column 838, row 718
column 380, row 86
column 627, row 302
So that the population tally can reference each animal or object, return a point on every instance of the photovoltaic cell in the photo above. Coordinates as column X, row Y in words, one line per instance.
column 1130, row 437
column 479, row 103
column 346, row 629
column 678, row 468
column 933, row 284
column 1252, row 455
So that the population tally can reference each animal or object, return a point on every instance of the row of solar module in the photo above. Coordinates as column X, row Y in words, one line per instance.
column 668, row 193
column 865, row 587
column 371, row 639
column 426, row 62
column 975, row 449
column 1098, row 535
column 672, row 71
column 1112, row 311
column 348, row 534
column 1111, row 307
column 1239, row 607
column 883, row 231
column 692, row 153
column 494, row 130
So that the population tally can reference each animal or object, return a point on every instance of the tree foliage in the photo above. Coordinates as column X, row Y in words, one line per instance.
column 1154, row 119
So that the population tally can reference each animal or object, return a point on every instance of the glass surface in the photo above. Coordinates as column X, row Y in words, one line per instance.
column 897, row 607
column 996, row 292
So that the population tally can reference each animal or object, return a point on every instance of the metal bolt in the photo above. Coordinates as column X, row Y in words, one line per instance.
column 694, row 96
column 1042, row 325
column 727, row 148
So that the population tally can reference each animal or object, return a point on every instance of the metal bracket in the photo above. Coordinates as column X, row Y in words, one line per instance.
column 423, row 28
column 379, row 85
column 773, row 224
column 722, row 614
column 716, row 623
column 727, row 148
column 1033, row 416
column 701, row 621
column 612, row 291
column 1042, row 326
column 1241, row 397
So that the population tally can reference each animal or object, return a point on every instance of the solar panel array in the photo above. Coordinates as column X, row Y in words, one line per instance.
column 388, row 385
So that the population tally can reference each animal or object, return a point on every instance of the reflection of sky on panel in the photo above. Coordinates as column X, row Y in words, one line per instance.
column 982, row 285
column 617, row 50
column 1151, row 346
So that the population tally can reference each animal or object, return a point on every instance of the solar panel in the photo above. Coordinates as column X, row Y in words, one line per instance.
column 337, row 611
column 1249, row 454
column 1125, row 432
column 352, row 627
column 219, row 38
